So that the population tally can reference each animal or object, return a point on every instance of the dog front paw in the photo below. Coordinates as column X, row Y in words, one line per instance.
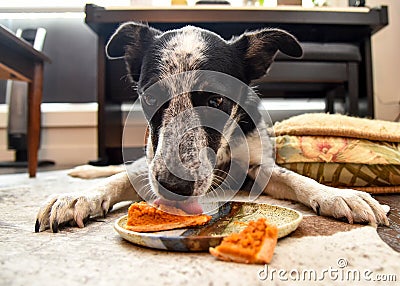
column 72, row 208
column 355, row 206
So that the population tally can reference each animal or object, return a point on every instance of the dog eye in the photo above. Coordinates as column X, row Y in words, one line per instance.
column 215, row 102
column 149, row 99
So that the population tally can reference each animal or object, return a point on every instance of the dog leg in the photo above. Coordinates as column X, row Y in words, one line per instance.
column 355, row 206
column 93, row 172
column 76, row 207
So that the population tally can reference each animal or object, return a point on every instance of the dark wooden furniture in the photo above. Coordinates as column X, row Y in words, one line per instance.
column 319, row 25
column 20, row 61
column 326, row 70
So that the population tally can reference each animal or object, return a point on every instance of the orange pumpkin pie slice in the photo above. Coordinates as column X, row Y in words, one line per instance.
column 143, row 217
column 254, row 244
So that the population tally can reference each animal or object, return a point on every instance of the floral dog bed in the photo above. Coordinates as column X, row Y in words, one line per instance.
column 347, row 158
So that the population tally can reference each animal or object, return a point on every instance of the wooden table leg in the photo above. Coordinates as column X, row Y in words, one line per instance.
column 353, row 92
column 34, row 100
column 369, row 79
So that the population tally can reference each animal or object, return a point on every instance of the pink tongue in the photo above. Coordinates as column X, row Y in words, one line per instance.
column 190, row 207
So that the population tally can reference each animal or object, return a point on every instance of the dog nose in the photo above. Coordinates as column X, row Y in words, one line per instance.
column 174, row 188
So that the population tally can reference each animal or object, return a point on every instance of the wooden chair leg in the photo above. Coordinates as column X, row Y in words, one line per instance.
column 368, row 78
column 353, row 89
column 34, row 100
column 330, row 101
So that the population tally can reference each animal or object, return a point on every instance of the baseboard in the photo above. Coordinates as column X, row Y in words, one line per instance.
column 69, row 133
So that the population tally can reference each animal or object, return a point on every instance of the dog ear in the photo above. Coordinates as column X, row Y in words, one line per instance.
column 130, row 41
column 259, row 48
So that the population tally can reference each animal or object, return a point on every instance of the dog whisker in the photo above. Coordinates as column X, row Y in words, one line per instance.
column 227, row 174
column 216, row 194
column 147, row 192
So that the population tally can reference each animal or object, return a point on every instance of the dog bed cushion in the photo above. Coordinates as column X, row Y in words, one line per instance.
column 323, row 124
column 341, row 151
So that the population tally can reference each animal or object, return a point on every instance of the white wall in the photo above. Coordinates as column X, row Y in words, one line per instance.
column 386, row 60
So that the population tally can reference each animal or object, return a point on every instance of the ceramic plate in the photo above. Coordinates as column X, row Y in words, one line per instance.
column 224, row 222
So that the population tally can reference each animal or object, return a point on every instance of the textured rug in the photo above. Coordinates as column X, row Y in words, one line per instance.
column 321, row 251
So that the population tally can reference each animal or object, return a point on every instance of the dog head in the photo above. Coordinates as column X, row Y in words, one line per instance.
column 185, row 157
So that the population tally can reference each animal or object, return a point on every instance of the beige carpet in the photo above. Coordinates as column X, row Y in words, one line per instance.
column 96, row 255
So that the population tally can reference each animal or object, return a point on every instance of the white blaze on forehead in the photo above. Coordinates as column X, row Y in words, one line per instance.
column 184, row 51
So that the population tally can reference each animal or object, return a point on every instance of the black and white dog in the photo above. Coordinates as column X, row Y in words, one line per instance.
column 152, row 56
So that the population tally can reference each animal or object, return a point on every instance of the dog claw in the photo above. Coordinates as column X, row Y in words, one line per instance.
column 105, row 208
column 350, row 219
column 105, row 212
column 79, row 221
column 37, row 226
column 318, row 209
column 86, row 220
column 54, row 226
